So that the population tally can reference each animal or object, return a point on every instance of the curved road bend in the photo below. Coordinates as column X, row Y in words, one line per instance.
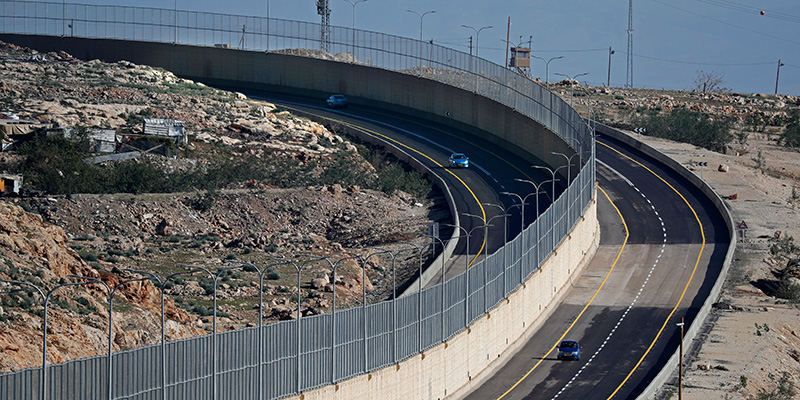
column 659, row 255
column 432, row 145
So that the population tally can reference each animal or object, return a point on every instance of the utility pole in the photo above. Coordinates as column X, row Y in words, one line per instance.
column 610, row 52
column 629, row 74
column 325, row 33
column 508, row 38
column 778, row 75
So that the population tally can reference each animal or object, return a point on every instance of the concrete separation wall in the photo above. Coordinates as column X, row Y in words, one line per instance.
column 252, row 71
column 452, row 369
column 670, row 372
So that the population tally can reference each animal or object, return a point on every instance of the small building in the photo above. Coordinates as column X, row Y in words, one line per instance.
column 168, row 128
column 520, row 57
column 10, row 185
column 100, row 140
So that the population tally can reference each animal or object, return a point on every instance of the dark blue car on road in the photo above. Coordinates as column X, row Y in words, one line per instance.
column 569, row 350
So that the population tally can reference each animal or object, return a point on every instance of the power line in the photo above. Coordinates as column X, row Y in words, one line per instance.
column 726, row 23
column 752, row 10
column 569, row 51
column 704, row 63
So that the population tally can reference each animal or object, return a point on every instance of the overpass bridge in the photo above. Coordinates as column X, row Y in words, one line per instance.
column 420, row 346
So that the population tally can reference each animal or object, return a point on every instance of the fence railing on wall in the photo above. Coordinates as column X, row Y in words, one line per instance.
column 332, row 347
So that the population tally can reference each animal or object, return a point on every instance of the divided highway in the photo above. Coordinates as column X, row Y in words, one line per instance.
column 659, row 256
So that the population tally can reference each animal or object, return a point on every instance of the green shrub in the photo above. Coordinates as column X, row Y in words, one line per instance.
column 687, row 126
column 273, row 275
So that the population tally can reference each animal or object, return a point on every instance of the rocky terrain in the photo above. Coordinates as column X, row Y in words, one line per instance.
column 105, row 236
column 750, row 349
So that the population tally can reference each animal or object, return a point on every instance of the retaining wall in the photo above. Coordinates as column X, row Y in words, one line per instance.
column 463, row 362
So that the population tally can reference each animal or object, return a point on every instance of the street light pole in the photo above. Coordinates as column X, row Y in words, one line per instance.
column 778, row 75
column 477, row 36
column 505, row 241
column 547, row 68
column 610, row 52
column 467, row 234
column 680, row 364
column 421, row 17
column 354, row 3
column 572, row 83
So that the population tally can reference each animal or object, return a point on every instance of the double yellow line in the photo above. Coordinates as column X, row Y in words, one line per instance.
column 619, row 254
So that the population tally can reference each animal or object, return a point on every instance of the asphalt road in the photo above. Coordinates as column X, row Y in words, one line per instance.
column 660, row 254
column 492, row 170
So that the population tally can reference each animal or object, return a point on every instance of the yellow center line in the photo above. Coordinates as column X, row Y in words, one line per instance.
column 619, row 254
column 691, row 277
column 429, row 158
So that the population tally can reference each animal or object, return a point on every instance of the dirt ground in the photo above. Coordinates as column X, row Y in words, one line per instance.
column 752, row 340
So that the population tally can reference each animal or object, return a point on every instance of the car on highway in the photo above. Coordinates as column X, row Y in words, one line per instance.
column 337, row 101
column 569, row 350
column 459, row 160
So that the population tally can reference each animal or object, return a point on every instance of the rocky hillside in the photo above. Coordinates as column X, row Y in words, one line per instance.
column 46, row 239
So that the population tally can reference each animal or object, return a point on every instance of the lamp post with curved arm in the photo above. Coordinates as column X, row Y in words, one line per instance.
column 44, row 333
column 569, row 163
column 44, row 327
column 161, row 289
column 571, row 83
column 299, row 269
column 421, row 17
column 505, row 216
column 90, row 281
column 538, row 233
column 351, row 256
column 163, row 332
column 485, row 227
column 552, row 172
column 364, row 296
column 477, row 36
column 547, row 68
column 214, row 278
column 443, row 277
column 419, row 289
column 354, row 3
column 466, row 273
column 110, row 318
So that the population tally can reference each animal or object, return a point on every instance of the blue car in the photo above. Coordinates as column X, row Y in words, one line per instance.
column 459, row 160
column 337, row 101
column 569, row 350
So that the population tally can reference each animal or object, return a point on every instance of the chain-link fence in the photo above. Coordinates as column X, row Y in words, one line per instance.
column 290, row 357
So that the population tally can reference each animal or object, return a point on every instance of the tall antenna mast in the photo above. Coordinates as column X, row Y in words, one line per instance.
column 629, row 74
column 325, row 34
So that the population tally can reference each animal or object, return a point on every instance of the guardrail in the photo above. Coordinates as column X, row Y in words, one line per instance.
column 310, row 352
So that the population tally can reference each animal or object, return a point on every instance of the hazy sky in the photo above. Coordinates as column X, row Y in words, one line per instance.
column 673, row 39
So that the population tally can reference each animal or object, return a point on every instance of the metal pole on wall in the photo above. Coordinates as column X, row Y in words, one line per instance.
column 176, row 23
column 41, row 293
column 680, row 364
column 44, row 337
column 778, row 75
column 466, row 274
column 443, row 277
column 333, row 312
column 111, row 324
column 364, row 300
column 421, row 16
column 214, row 278
column 505, row 241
